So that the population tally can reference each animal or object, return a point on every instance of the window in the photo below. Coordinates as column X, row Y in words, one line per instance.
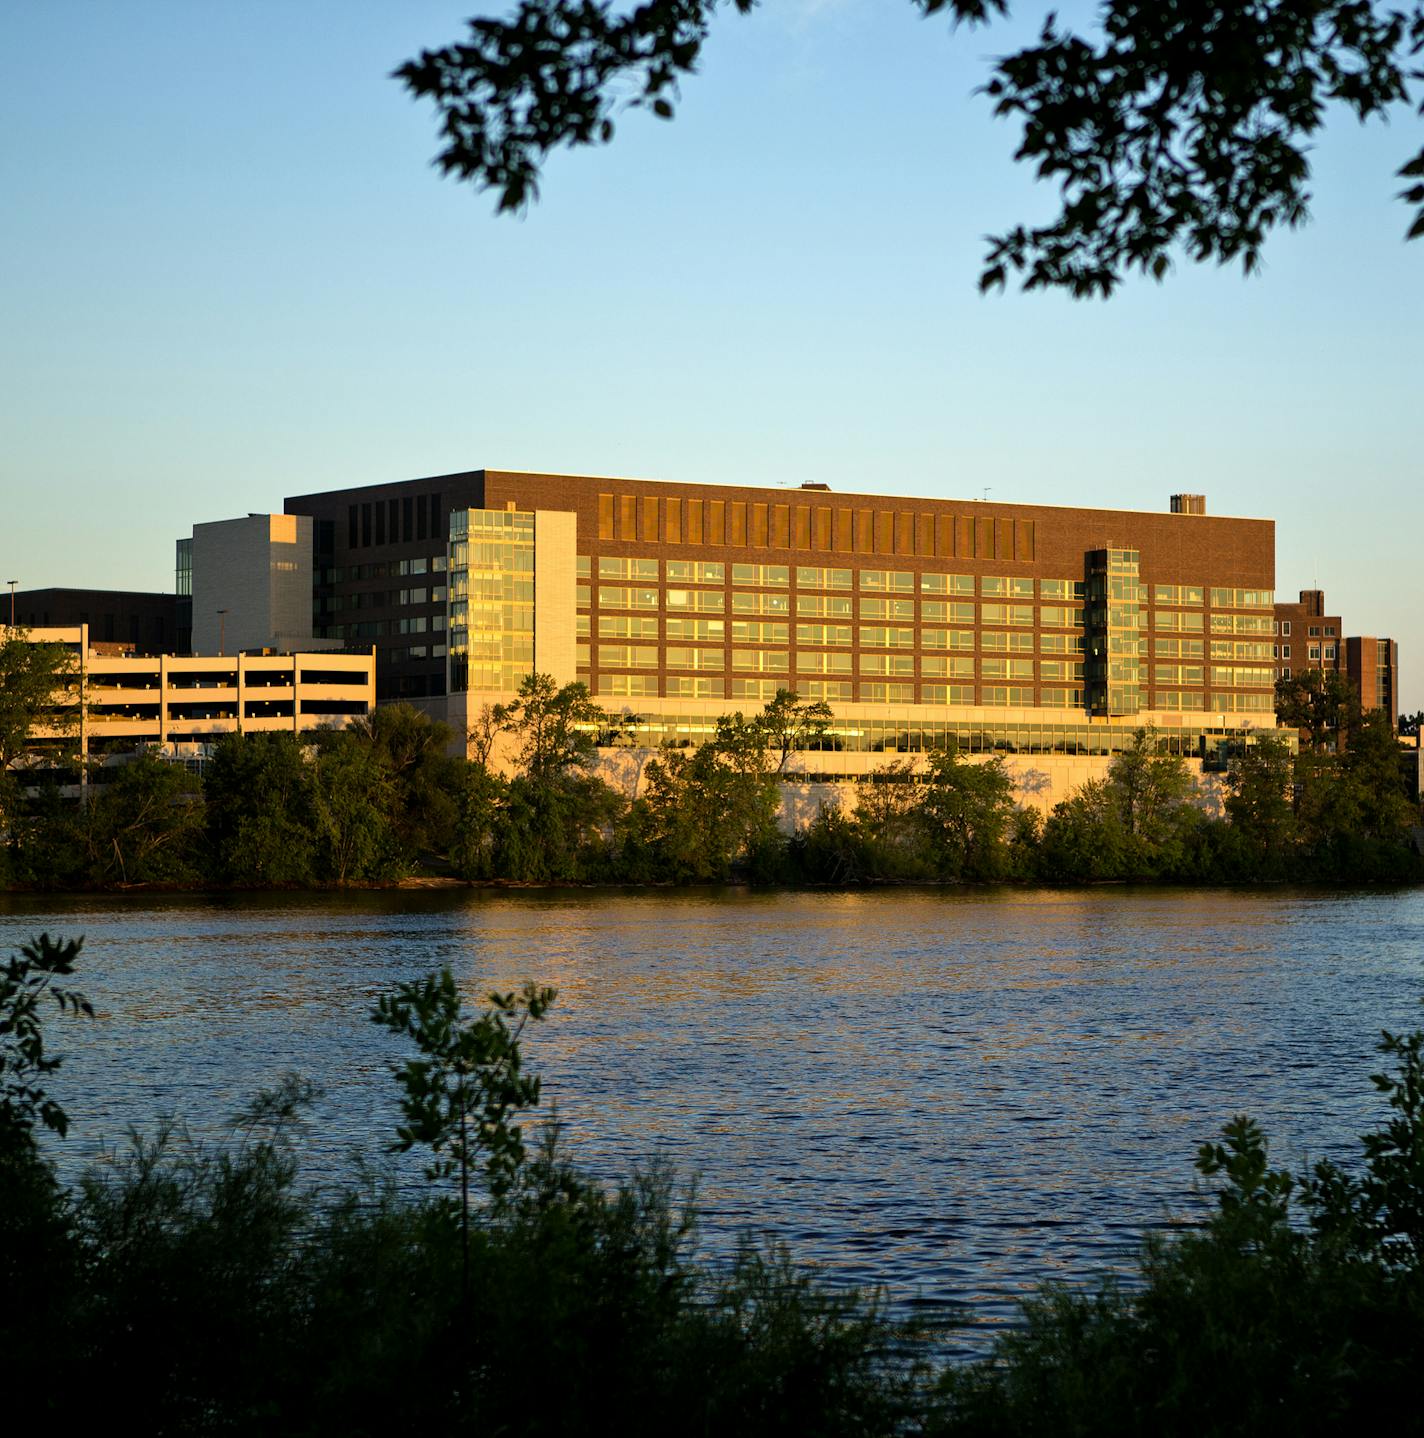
column 937, row 666
column 1285, row 654
column 1330, row 651
column 758, row 603
column 887, row 608
column 1062, row 589
column 687, row 571
column 814, row 661
column 947, row 694
column 1056, row 617
column 894, row 665
column 765, row 574
column 619, row 598
column 1314, row 632
column 680, row 686
column 618, row 626
column 887, row 581
column 874, row 637
column 1285, row 626
column 764, row 661
column 627, row 656
column 704, row 631
column 746, row 631
column 705, row 601
column 1007, row 614
column 628, row 686
column 825, row 606
column 947, row 584
column 643, row 571
column 824, row 634
column 813, row 578
column 696, row 659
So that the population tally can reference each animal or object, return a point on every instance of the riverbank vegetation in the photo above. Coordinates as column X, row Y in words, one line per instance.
column 384, row 799
column 214, row 1290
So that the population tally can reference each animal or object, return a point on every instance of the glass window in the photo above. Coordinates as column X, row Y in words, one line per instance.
column 808, row 577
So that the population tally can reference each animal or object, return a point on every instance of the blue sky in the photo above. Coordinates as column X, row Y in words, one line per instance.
column 230, row 274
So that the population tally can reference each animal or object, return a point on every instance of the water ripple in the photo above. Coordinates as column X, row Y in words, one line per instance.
column 954, row 1095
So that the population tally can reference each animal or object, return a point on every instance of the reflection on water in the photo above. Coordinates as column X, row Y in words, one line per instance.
column 955, row 1095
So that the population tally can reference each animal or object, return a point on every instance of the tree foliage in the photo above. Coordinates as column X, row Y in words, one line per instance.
column 1183, row 127
column 27, row 979
column 1322, row 703
column 145, row 825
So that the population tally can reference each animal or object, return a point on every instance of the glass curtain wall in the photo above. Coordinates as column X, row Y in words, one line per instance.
column 1115, row 619
column 491, row 600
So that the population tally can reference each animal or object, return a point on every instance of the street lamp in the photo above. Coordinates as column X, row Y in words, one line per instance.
column 12, row 583
column 222, row 632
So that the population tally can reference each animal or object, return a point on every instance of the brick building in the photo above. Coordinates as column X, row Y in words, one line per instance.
column 1307, row 637
column 1025, row 627
column 144, row 622
column 1373, row 667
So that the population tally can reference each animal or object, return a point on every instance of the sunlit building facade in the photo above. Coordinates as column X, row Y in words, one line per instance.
column 1019, row 628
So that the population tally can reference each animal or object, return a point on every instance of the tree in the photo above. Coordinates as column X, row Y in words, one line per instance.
column 965, row 808
column 26, row 980
column 1372, row 765
column 38, row 700
column 1083, row 838
column 145, row 825
column 462, row 1094
column 703, row 812
column 1183, row 128
column 1150, row 788
column 1322, row 703
column 424, row 777
column 353, row 801
column 260, row 809
column 1259, row 799
column 554, row 727
column 793, row 724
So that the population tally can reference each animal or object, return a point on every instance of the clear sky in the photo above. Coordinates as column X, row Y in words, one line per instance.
column 228, row 273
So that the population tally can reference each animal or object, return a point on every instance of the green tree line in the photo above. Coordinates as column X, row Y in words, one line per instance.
column 384, row 799
column 212, row 1289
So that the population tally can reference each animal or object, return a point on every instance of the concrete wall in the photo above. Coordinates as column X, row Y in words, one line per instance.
column 259, row 569
column 1040, row 782
column 555, row 537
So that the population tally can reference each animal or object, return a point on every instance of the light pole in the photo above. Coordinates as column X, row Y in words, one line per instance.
column 222, row 632
column 12, row 583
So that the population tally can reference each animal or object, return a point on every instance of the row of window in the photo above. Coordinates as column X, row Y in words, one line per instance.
column 713, row 601
column 1313, row 652
column 384, row 628
column 1313, row 631
column 778, row 661
column 752, row 631
column 381, row 569
column 778, row 576
column 646, row 686
column 395, row 521
column 899, row 581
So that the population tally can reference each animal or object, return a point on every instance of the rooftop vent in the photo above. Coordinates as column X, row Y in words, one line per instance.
column 813, row 484
column 1189, row 504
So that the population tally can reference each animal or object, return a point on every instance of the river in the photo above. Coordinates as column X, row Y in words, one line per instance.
column 954, row 1094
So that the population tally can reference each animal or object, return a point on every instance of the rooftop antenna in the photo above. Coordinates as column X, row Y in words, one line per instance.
column 987, row 488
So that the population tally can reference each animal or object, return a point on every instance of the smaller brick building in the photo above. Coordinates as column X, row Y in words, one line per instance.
column 1306, row 637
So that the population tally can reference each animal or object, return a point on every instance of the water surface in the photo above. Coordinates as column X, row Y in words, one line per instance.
column 954, row 1094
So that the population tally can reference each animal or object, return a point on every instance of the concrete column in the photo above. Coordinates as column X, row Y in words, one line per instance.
column 555, row 547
